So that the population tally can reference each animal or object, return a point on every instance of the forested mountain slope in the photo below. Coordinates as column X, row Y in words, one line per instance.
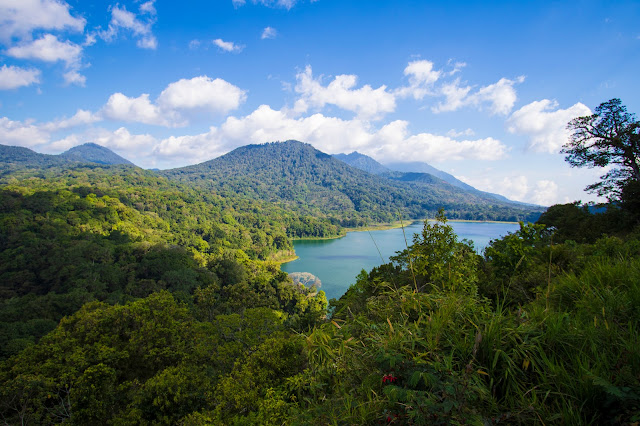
column 299, row 177
column 93, row 153
column 73, row 234
column 412, row 172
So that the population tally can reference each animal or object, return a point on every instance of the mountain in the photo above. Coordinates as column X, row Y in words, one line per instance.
column 17, row 155
column 12, row 157
column 93, row 153
column 410, row 172
column 299, row 177
column 362, row 162
column 419, row 167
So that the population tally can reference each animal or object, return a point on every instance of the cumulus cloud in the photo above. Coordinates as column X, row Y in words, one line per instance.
column 202, row 92
column 500, row 96
column 227, row 46
column 12, row 77
column 545, row 124
column 366, row 102
column 81, row 117
column 545, row 193
column 518, row 187
column 21, row 133
column 139, row 26
column 422, row 77
column 49, row 49
column 140, row 109
column 398, row 145
column 20, row 18
column 269, row 32
column 198, row 93
column 122, row 140
column 329, row 134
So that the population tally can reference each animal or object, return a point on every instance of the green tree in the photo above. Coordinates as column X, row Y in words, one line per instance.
column 610, row 137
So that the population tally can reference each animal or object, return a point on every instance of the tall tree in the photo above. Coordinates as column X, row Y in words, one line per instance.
column 611, row 136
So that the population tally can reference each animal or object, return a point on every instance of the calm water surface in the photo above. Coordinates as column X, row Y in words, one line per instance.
column 337, row 262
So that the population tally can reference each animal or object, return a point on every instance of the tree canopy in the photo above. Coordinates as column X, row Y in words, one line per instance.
column 610, row 137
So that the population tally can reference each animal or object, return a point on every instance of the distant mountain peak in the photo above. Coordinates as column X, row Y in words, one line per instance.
column 362, row 162
column 94, row 153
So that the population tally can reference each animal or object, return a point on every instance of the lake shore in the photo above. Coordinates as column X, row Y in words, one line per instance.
column 393, row 225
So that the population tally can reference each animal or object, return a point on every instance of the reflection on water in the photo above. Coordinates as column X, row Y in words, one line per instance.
column 337, row 262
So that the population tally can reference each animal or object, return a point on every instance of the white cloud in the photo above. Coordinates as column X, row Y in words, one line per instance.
column 435, row 148
column 333, row 135
column 74, row 77
column 198, row 93
column 123, row 140
column 19, row 18
column 500, row 96
column 455, row 94
column 49, row 49
column 194, row 44
column 140, row 109
column 81, row 117
column 21, row 133
column 202, row 92
column 227, row 46
column 422, row 77
column 269, row 32
column 286, row 4
column 545, row 124
column 148, row 7
column 517, row 187
column 12, row 77
column 545, row 193
column 122, row 19
column 366, row 102
column 453, row 133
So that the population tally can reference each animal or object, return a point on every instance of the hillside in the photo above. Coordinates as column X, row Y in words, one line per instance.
column 412, row 172
column 362, row 162
column 299, row 177
column 19, row 156
column 93, row 153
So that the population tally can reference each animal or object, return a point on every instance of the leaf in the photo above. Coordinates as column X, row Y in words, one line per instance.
column 336, row 324
column 390, row 326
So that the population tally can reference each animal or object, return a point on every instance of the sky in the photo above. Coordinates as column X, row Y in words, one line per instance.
column 481, row 90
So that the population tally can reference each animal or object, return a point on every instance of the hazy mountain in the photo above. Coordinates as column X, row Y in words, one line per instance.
column 362, row 162
column 410, row 172
column 93, row 153
column 420, row 167
column 300, row 177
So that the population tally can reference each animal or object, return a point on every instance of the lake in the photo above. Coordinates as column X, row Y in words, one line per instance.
column 337, row 262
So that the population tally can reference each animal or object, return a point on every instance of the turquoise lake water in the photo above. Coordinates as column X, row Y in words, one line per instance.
column 337, row 262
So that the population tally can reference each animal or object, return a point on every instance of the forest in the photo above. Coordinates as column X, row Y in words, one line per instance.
column 129, row 298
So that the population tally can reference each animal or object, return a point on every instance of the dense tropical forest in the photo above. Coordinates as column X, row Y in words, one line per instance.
column 130, row 298
column 298, row 177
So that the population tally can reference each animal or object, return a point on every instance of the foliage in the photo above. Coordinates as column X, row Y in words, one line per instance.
column 611, row 136
column 128, row 299
column 302, row 179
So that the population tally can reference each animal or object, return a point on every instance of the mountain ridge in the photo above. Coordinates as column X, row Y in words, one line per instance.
column 298, row 176
column 85, row 153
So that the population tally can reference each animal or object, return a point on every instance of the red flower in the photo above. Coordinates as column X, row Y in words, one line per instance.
column 389, row 378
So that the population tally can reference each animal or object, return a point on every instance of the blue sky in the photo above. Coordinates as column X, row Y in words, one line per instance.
column 482, row 90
